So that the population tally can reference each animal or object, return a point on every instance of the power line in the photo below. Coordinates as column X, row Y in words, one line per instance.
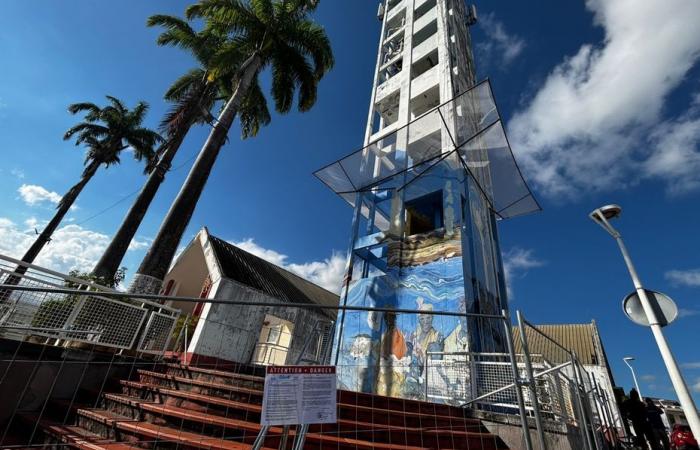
column 128, row 196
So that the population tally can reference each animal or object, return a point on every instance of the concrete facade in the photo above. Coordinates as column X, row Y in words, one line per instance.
column 424, row 234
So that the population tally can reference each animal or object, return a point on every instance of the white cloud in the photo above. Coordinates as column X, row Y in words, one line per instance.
column 596, row 122
column 648, row 378
column 684, row 277
column 137, row 244
column 696, row 386
column 675, row 157
column 327, row 273
column 516, row 262
column 682, row 312
column 71, row 247
column 691, row 365
column 500, row 45
column 17, row 173
column 33, row 194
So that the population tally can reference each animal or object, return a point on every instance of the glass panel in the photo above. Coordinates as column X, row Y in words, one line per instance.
column 472, row 121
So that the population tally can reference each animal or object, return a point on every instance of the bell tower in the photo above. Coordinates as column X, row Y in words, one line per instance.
column 434, row 175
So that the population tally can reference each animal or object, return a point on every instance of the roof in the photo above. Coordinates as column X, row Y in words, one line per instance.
column 248, row 269
column 579, row 338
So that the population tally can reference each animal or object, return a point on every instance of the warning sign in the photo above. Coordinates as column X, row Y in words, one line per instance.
column 299, row 395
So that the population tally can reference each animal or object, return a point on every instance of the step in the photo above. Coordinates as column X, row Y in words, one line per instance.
column 379, row 434
column 130, row 406
column 215, row 372
column 80, row 438
column 109, row 425
column 216, row 376
column 358, row 398
column 248, row 430
column 346, row 411
column 216, row 389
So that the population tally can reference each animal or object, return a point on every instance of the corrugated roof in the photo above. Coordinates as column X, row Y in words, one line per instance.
column 264, row 276
column 580, row 338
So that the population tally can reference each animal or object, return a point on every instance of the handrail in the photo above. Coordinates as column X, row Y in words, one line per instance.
column 241, row 303
column 512, row 385
column 102, row 290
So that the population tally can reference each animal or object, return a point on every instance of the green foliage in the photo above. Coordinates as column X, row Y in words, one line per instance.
column 280, row 32
column 112, row 282
column 178, row 328
column 195, row 93
column 55, row 312
column 109, row 130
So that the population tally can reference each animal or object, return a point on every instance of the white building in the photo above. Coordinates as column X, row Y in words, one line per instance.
column 583, row 340
column 212, row 268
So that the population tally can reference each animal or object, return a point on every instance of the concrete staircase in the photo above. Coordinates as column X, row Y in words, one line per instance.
column 188, row 407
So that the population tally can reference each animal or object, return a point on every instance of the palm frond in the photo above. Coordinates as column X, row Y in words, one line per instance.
column 254, row 113
column 90, row 108
column 138, row 114
column 85, row 131
column 234, row 16
column 185, row 85
column 310, row 38
column 116, row 103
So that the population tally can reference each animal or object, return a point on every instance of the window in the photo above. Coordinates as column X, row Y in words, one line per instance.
column 424, row 64
column 274, row 333
column 424, row 214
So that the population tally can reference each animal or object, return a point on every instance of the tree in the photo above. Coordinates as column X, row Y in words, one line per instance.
column 265, row 33
column 106, row 132
column 193, row 95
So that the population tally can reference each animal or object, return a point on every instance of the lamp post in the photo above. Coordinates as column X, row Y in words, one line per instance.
column 627, row 361
column 602, row 216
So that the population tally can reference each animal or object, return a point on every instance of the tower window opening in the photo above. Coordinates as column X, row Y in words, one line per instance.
column 424, row 214
column 424, row 102
column 424, row 9
column 396, row 23
column 424, row 64
column 425, row 33
column 392, row 69
column 388, row 111
column 392, row 49
column 392, row 4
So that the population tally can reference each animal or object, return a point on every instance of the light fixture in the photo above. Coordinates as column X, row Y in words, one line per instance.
column 607, row 211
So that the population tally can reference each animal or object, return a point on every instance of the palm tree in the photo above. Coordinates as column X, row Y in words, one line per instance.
column 106, row 132
column 193, row 95
column 264, row 33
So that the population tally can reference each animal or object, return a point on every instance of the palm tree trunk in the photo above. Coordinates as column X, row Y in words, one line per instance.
column 154, row 266
column 109, row 263
column 45, row 236
column 63, row 208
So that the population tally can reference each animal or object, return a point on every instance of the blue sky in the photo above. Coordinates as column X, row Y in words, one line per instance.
column 602, row 102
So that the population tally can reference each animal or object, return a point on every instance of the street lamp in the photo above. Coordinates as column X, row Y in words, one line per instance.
column 627, row 361
column 601, row 216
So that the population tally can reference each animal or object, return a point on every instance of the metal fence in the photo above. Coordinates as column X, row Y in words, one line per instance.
column 550, row 394
column 34, row 307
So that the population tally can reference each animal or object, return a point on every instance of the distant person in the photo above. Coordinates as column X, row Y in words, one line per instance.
column 657, row 425
column 637, row 414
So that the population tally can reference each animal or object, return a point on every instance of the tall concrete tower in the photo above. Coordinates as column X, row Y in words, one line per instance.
column 427, row 188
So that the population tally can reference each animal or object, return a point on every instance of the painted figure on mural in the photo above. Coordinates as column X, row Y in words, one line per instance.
column 458, row 339
column 394, row 359
column 456, row 344
column 356, row 363
column 425, row 338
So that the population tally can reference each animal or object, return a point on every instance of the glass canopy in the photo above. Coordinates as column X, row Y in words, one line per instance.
column 468, row 126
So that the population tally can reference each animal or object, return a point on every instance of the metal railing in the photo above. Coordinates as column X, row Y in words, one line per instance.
column 555, row 395
column 31, row 305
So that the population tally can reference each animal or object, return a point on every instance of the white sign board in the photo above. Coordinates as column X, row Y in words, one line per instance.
column 299, row 395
